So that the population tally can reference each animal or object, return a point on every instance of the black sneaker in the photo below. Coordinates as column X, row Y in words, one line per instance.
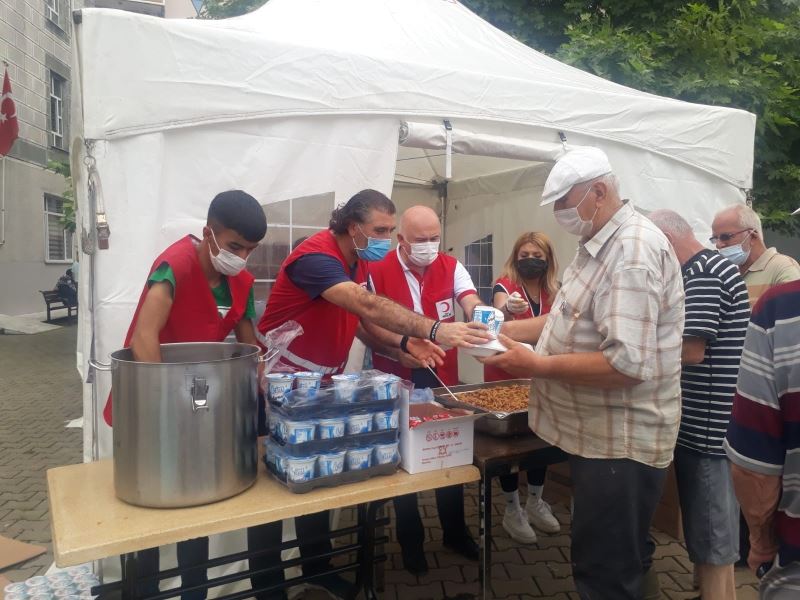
column 415, row 562
column 464, row 546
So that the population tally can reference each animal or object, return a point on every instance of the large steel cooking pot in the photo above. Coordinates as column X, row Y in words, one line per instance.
column 185, row 428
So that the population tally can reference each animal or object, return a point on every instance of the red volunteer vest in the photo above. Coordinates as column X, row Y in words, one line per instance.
column 328, row 330
column 194, row 316
column 494, row 373
column 438, row 302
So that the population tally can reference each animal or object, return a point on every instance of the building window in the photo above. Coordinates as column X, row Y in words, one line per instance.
column 57, row 87
column 51, row 11
column 290, row 223
column 478, row 261
column 58, row 241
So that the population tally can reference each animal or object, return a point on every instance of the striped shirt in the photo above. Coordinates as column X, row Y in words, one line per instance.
column 717, row 310
column 764, row 432
column 622, row 295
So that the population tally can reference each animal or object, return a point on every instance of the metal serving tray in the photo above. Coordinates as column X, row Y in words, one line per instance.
column 499, row 424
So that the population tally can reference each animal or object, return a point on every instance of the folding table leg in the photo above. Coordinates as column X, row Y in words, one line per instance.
column 485, row 575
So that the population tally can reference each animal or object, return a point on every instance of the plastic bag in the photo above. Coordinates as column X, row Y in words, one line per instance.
column 275, row 343
column 421, row 395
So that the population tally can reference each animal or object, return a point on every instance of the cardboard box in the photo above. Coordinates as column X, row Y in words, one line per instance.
column 435, row 444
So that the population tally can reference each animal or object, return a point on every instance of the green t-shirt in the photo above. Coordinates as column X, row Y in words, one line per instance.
column 221, row 293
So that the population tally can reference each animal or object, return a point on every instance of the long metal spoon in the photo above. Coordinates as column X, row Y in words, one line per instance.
column 452, row 395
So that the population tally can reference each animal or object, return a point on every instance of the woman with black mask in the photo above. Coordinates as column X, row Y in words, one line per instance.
column 525, row 289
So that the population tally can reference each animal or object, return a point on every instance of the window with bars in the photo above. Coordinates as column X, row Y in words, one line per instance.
column 58, row 241
column 478, row 261
column 51, row 11
column 57, row 86
column 290, row 222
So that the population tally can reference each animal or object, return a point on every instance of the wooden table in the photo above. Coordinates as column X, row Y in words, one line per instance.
column 90, row 523
column 500, row 456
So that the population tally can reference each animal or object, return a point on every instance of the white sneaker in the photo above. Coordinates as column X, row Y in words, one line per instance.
column 517, row 526
column 541, row 515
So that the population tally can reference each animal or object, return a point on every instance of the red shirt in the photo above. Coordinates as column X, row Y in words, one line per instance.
column 495, row 373
column 437, row 298
column 328, row 329
column 194, row 316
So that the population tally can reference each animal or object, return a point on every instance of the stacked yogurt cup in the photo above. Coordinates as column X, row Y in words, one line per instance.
column 74, row 583
column 325, row 432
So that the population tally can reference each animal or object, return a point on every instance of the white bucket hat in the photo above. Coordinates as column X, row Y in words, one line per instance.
column 576, row 166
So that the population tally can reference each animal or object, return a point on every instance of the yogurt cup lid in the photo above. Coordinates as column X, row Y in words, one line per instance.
column 314, row 374
column 346, row 377
column 300, row 459
column 333, row 454
column 279, row 376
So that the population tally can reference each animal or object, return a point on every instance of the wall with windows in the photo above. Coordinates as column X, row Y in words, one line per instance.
column 35, row 37
column 37, row 250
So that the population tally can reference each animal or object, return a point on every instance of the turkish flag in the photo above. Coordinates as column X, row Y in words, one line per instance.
column 9, row 128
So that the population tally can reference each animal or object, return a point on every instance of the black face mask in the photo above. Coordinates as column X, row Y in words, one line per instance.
column 531, row 267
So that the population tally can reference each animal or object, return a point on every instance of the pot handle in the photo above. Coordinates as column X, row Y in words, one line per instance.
column 199, row 394
column 267, row 356
column 98, row 366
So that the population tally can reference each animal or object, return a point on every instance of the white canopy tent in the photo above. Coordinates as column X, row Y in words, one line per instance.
column 305, row 97
column 310, row 97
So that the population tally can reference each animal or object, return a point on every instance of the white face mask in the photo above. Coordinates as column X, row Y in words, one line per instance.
column 736, row 254
column 423, row 253
column 571, row 221
column 226, row 262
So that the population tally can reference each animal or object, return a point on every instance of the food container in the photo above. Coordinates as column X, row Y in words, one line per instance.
column 15, row 596
column 297, row 432
column 331, row 463
column 359, row 424
column 301, row 468
column 278, row 384
column 386, row 419
column 491, row 317
column 385, row 386
column 359, row 458
column 15, row 588
column 331, row 428
column 39, row 582
column 345, row 386
column 185, row 428
column 307, row 380
column 385, row 453
column 498, row 424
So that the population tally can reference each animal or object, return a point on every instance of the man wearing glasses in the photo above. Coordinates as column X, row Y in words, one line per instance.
column 737, row 234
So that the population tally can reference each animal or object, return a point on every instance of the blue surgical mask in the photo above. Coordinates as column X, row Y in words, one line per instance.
column 736, row 254
column 376, row 248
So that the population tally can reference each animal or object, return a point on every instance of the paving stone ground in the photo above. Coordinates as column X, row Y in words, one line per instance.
column 40, row 391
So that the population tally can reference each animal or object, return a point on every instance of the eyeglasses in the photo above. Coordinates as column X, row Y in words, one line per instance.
column 726, row 237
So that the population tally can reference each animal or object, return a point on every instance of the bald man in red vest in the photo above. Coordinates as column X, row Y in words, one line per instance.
column 421, row 278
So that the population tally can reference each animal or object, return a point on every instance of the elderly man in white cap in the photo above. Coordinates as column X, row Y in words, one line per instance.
column 606, row 372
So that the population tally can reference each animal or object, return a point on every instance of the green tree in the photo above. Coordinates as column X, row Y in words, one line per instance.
column 63, row 169
column 737, row 53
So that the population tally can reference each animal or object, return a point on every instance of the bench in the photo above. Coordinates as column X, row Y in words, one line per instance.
column 54, row 302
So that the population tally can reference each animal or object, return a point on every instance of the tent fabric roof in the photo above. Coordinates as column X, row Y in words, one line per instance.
column 410, row 58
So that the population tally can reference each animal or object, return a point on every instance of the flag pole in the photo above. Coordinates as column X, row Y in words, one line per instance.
column 3, row 195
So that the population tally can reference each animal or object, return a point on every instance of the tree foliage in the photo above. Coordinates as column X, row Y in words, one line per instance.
column 737, row 53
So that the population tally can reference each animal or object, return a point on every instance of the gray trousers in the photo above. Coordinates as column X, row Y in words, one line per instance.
column 614, row 502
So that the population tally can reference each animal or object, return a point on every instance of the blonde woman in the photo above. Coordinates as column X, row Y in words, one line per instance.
column 525, row 289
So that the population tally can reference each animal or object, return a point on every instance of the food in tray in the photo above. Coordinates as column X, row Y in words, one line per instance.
column 502, row 398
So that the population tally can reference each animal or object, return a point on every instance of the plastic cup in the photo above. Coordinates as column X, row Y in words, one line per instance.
column 386, row 453
column 278, row 384
column 385, row 386
column 386, row 419
column 15, row 596
column 67, row 592
column 491, row 317
column 330, row 463
column 300, row 468
column 345, row 385
column 331, row 428
column 359, row 458
column 359, row 424
column 15, row 588
column 297, row 432
column 38, row 582
column 307, row 381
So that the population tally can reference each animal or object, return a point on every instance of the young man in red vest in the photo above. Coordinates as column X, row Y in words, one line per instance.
column 430, row 283
column 322, row 286
column 198, row 291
